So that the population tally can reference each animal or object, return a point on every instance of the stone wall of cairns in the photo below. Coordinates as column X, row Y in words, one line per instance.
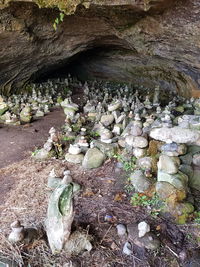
column 34, row 102
column 115, row 119
column 164, row 140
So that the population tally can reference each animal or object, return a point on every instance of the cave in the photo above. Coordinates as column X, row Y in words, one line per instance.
column 144, row 43
column 99, row 133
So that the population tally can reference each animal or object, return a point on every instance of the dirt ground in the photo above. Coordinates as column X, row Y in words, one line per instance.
column 24, row 196
column 17, row 142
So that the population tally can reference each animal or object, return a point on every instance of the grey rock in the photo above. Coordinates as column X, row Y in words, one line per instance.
column 139, row 181
column 194, row 181
column 127, row 249
column 76, row 159
column 196, row 159
column 178, row 180
column 145, row 162
column 107, row 120
column 175, row 134
column 139, row 152
column 186, row 159
column 94, row 158
column 41, row 154
column 53, row 182
column 78, row 242
column 121, row 229
column 149, row 241
column 107, row 149
column 168, row 164
column 140, row 142
column 187, row 169
column 174, row 149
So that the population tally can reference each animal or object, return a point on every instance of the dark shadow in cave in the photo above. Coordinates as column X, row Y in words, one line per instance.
column 75, row 65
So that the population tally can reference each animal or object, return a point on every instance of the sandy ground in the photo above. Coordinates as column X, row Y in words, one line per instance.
column 16, row 142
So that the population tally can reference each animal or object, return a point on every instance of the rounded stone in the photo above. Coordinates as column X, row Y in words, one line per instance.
column 76, row 159
column 139, row 152
column 107, row 120
column 145, row 162
column 94, row 158
column 168, row 164
column 140, row 142
column 166, row 190
column 139, row 181
column 196, row 159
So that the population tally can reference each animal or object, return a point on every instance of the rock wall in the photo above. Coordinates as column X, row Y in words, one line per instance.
column 144, row 42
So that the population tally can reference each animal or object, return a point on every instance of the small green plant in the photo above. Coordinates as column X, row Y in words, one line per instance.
column 76, row 128
column 94, row 134
column 197, row 217
column 128, row 165
column 35, row 152
column 154, row 204
column 58, row 20
column 68, row 138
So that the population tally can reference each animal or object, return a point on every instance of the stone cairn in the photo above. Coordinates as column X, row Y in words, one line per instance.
column 36, row 102
column 163, row 139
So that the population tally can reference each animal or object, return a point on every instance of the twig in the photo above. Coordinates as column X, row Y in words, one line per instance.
column 172, row 252
column 105, row 234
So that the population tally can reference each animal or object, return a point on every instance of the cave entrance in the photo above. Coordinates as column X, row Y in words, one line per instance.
column 100, row 62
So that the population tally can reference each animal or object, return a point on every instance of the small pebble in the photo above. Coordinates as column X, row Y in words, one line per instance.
column 108, row 218
column 127, row 249
column 143, row 228
column 121, row 229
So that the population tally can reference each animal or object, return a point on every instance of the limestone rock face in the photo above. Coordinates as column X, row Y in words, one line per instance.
column 150, row 42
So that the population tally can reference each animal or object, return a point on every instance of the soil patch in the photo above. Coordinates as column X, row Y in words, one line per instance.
column 18, row 141
column 102, row 195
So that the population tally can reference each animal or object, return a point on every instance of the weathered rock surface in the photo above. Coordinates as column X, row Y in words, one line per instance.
column 139, row 181
column 94, row 158
column 168, row 164
column 178, row 180
column 144, row 42
column 175, row 134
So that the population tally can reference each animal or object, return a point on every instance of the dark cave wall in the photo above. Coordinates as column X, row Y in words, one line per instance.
column 157, row 46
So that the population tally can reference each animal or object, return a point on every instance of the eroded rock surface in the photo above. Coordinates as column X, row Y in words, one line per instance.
column 145, row 42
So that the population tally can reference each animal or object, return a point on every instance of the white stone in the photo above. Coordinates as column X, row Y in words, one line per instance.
column 143, row 228
column 121, row 229
column 139, row 152
column 140, row 141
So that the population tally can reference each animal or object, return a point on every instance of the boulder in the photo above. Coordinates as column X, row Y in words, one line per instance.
column 139, row 181
column 175, row 134
column 165, row 191
column 107, row 149
column 94, row 158
column 76, row 159
column 107, row 120
column 178, row 180
column 168, row 164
